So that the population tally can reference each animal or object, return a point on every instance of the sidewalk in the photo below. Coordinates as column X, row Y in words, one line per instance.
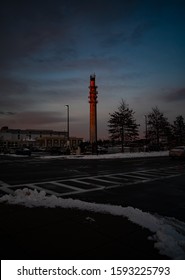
column 56, row 233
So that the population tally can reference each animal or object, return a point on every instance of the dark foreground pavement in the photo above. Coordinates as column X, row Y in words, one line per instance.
column 56, row 233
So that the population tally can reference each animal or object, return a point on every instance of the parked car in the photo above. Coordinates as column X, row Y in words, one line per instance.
column 177, row 152
column 57, row 151
column 38, row 149
column 23, row 151
column 102, row 150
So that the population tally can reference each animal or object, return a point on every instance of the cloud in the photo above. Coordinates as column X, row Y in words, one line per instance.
column 11, row 86
column 29, row 27
column 43, row 120
column 101, row 12
column 140, row 30
column 31, row 119
column 15, row 95
column 51, row 30
column 131, row 35
column 7, row 113
column 176, row 95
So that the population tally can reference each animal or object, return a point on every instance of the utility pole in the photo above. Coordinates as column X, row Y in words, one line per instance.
column 67, row 106
column 122, row 138
column 146, row 132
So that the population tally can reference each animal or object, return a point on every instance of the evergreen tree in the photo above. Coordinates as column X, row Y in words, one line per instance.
column 179, row 130
column 158, row 127
column 122, row 124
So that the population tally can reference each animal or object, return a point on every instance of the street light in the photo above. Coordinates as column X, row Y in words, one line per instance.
column 67, row 123
column 121, row 124
column 122, row 137
column 146, row 132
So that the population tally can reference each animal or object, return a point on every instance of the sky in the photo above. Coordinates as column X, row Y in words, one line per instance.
column 49, row 49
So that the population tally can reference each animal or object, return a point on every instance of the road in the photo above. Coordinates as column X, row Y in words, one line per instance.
column 155, row 185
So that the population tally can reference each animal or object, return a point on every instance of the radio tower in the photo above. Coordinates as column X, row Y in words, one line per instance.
column 93, row 112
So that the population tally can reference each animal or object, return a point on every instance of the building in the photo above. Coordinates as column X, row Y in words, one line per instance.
column 16, row 138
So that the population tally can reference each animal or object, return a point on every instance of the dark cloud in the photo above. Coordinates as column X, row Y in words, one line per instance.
column 100, row 12
column 41, row 117
column 10, row 86
column 14, row 95
column 24, row 94
column 7, row 113
column 132, row 76
column 131, row 36
column 114, row 38
column 140, row 30
column 38, row 119
column 29, row 27
column 31, row 119
column 55, row 55
column 176, row 95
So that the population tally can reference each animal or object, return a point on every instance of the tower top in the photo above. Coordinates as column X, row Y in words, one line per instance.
column 92, row 77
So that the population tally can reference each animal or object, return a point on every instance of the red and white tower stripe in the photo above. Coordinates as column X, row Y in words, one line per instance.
column 93, row 109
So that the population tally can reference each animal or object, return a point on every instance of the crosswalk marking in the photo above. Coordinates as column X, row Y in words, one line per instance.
column 64, row 185
column 5, row 188
column 80, row 184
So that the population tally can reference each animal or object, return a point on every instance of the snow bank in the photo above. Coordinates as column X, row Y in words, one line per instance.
column 103, row 156
column 169, row 233
column 115, row 155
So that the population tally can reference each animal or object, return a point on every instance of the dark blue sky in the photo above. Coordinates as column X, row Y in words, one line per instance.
column 50, row 48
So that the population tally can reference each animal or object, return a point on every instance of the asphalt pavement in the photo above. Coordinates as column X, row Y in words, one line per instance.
column 56, row 233
column 45, row 233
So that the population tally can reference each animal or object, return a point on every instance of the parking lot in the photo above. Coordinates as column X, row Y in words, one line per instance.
column 151, row 185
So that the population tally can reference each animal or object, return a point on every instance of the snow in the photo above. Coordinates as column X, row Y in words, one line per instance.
column 100, row 156
column 112, row 156
column 168, row 233
column 13, row 155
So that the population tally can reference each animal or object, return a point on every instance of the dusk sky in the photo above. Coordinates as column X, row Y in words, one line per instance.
column 49, row 49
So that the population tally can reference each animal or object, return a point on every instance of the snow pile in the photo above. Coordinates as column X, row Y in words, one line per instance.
column 169, row 233
column 115, row 155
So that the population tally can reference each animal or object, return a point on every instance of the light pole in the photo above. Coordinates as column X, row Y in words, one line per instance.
column 146, row 132
column 122, row 137
column 121, row 122
column 67, row 123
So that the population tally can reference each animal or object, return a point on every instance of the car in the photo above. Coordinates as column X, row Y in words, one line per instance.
column 57, row 151
column 102, row 150
column 177, row 152
column 23, row 152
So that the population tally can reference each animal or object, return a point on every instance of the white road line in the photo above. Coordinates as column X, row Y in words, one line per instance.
column 5, row 187
column 134, row 176
column 53, row 192
column 159, row 173
column 145, row 181
column 147, row 174
column 80, row 181
column 41, row 189
column 66, row 186
column 112, row 186
column 101, row 180
column 95, row 181
column 94, row 184
column 84, row 191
